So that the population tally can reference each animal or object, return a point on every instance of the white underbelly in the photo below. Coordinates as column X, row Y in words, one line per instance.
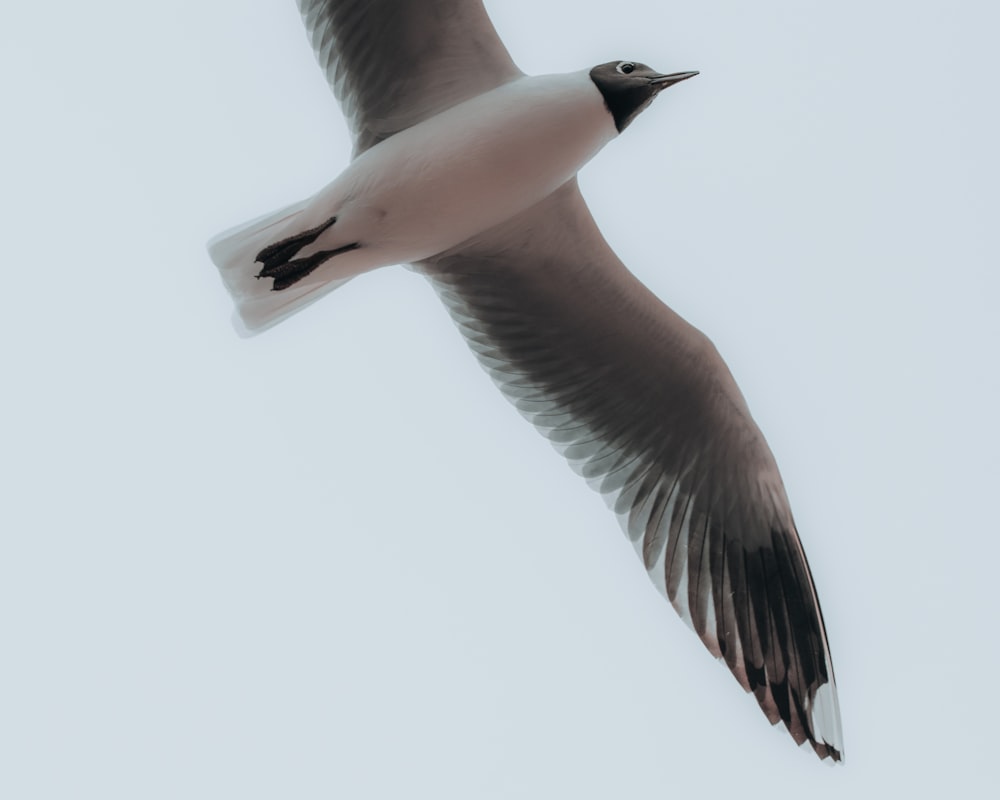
column 439, row 183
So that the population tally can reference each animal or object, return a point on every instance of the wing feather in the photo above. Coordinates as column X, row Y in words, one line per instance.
column 394, row 63
column 643, row 407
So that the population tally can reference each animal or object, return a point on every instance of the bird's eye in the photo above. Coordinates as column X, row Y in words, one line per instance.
column 626, row 67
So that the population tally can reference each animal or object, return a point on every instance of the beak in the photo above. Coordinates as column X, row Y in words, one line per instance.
column 663, row 81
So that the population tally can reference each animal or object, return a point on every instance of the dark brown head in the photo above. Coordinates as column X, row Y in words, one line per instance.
column 628, row 87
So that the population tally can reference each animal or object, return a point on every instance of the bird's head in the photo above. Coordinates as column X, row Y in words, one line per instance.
column 628, row 87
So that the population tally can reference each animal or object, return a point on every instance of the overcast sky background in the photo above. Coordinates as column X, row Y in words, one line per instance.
column 332, row 561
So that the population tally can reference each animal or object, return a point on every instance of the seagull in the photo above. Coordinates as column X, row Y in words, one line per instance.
column 464, row 169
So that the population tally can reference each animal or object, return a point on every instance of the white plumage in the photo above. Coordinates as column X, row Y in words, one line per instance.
column 426, row 189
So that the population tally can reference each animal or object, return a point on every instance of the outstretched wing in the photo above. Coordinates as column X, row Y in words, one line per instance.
column 644, row 408
column 394, row 63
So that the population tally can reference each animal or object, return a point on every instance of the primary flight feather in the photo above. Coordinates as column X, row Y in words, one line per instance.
column 465, row 168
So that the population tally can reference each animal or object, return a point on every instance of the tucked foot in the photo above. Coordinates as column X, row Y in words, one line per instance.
column 291, row 272
column 278, row 259
column 274, row 255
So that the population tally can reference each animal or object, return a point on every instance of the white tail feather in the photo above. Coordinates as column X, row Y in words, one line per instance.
column 258, row 307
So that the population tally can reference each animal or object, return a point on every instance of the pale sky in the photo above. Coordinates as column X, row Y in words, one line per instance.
column 333, row 561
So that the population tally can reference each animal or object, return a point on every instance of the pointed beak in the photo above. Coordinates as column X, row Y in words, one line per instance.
column 663, row 81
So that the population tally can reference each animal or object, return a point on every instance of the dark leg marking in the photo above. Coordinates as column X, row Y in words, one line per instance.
column 282, row 251
column 291, row 272
column 278, row 262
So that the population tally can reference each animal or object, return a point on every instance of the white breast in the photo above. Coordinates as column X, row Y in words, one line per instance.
column 438, row 183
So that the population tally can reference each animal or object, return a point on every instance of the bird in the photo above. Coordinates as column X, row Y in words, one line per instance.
column 464, row 169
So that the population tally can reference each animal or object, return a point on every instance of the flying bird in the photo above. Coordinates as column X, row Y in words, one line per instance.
column 464, row 168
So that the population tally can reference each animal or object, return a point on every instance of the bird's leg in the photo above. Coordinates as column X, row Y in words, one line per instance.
column 280, row 252
column 278, row 262
column 293, row 271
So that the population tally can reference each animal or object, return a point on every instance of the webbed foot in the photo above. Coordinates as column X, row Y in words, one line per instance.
column 278, row 259
column 291, row 272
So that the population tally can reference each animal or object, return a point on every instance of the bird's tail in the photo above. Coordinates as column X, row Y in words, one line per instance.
column 258, row 305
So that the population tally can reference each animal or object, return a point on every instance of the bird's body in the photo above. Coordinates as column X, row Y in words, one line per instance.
column 432, row 186
column 464, row 168
column 440, row 182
